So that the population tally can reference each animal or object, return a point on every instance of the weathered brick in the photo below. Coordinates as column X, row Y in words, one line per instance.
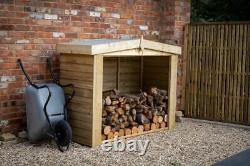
column 7, row 78
column 3, row 34
column 50, row 16
column 67, row 12
column 115, row 15
column 143, row 27
column 23, row 41
column 157, row 33
column 20, row 90
column 71, row 12
column 130, row 21
column 94, row 14
column 58, row 34
column 37, row 15
column 74, row 12
column 110, row 30
column 3, row 85
column 100, row 9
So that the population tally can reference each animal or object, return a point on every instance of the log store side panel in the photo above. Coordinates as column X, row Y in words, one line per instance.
column 78, row 69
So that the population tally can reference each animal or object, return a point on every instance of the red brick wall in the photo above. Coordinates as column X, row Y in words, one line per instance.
column 29, row 29
column 177, row 14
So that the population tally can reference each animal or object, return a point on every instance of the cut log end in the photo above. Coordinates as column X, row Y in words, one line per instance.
column 134, row 130
column 128, row 131
column 153, row 126
column 110, row 135
column 162, row 124
column 147, row 127
column 106, row 130
column 140, row 129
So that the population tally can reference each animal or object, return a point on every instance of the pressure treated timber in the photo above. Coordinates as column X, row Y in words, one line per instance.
column 97, row 101
column 172, row 91
column 101, row 46
column 96, row 66
column 155, row 72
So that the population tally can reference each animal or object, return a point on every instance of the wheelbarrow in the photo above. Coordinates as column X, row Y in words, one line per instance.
column 46, row 110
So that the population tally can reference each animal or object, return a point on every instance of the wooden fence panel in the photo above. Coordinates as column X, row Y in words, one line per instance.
column 217, row 76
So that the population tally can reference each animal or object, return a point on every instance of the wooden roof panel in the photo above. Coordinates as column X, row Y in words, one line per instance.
column 104, row 46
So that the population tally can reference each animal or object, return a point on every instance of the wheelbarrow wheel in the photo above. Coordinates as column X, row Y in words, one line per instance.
column 63, row 135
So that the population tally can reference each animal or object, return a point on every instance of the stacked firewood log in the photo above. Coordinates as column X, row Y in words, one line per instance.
column 126, row 114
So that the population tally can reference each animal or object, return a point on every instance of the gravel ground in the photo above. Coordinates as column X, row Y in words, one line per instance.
column 191, row 143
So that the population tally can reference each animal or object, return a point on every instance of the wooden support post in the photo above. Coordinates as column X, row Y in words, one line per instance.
column 118, row 74
column 97, row 101
column 141, row 73
column 172, row 91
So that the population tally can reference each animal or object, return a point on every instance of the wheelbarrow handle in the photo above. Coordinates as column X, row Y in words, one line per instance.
column 19, row 62
column 73, row 90
column 46, row 103
column 68, row 97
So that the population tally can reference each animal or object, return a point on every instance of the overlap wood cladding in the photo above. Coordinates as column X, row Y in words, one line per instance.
column 95, row 66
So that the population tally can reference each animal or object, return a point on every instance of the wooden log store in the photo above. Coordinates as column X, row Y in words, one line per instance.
column 121, row 86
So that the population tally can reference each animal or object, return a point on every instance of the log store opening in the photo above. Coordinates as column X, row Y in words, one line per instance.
column 113, row 78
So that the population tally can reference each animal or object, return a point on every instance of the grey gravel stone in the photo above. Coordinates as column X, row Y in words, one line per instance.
column 178, row 119
column 191, row 143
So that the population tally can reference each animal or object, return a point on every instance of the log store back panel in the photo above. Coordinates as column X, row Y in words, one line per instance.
column 129, row 75
column 79, row 70
column 129, row 80
column 122, row 73
column 155, row 72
